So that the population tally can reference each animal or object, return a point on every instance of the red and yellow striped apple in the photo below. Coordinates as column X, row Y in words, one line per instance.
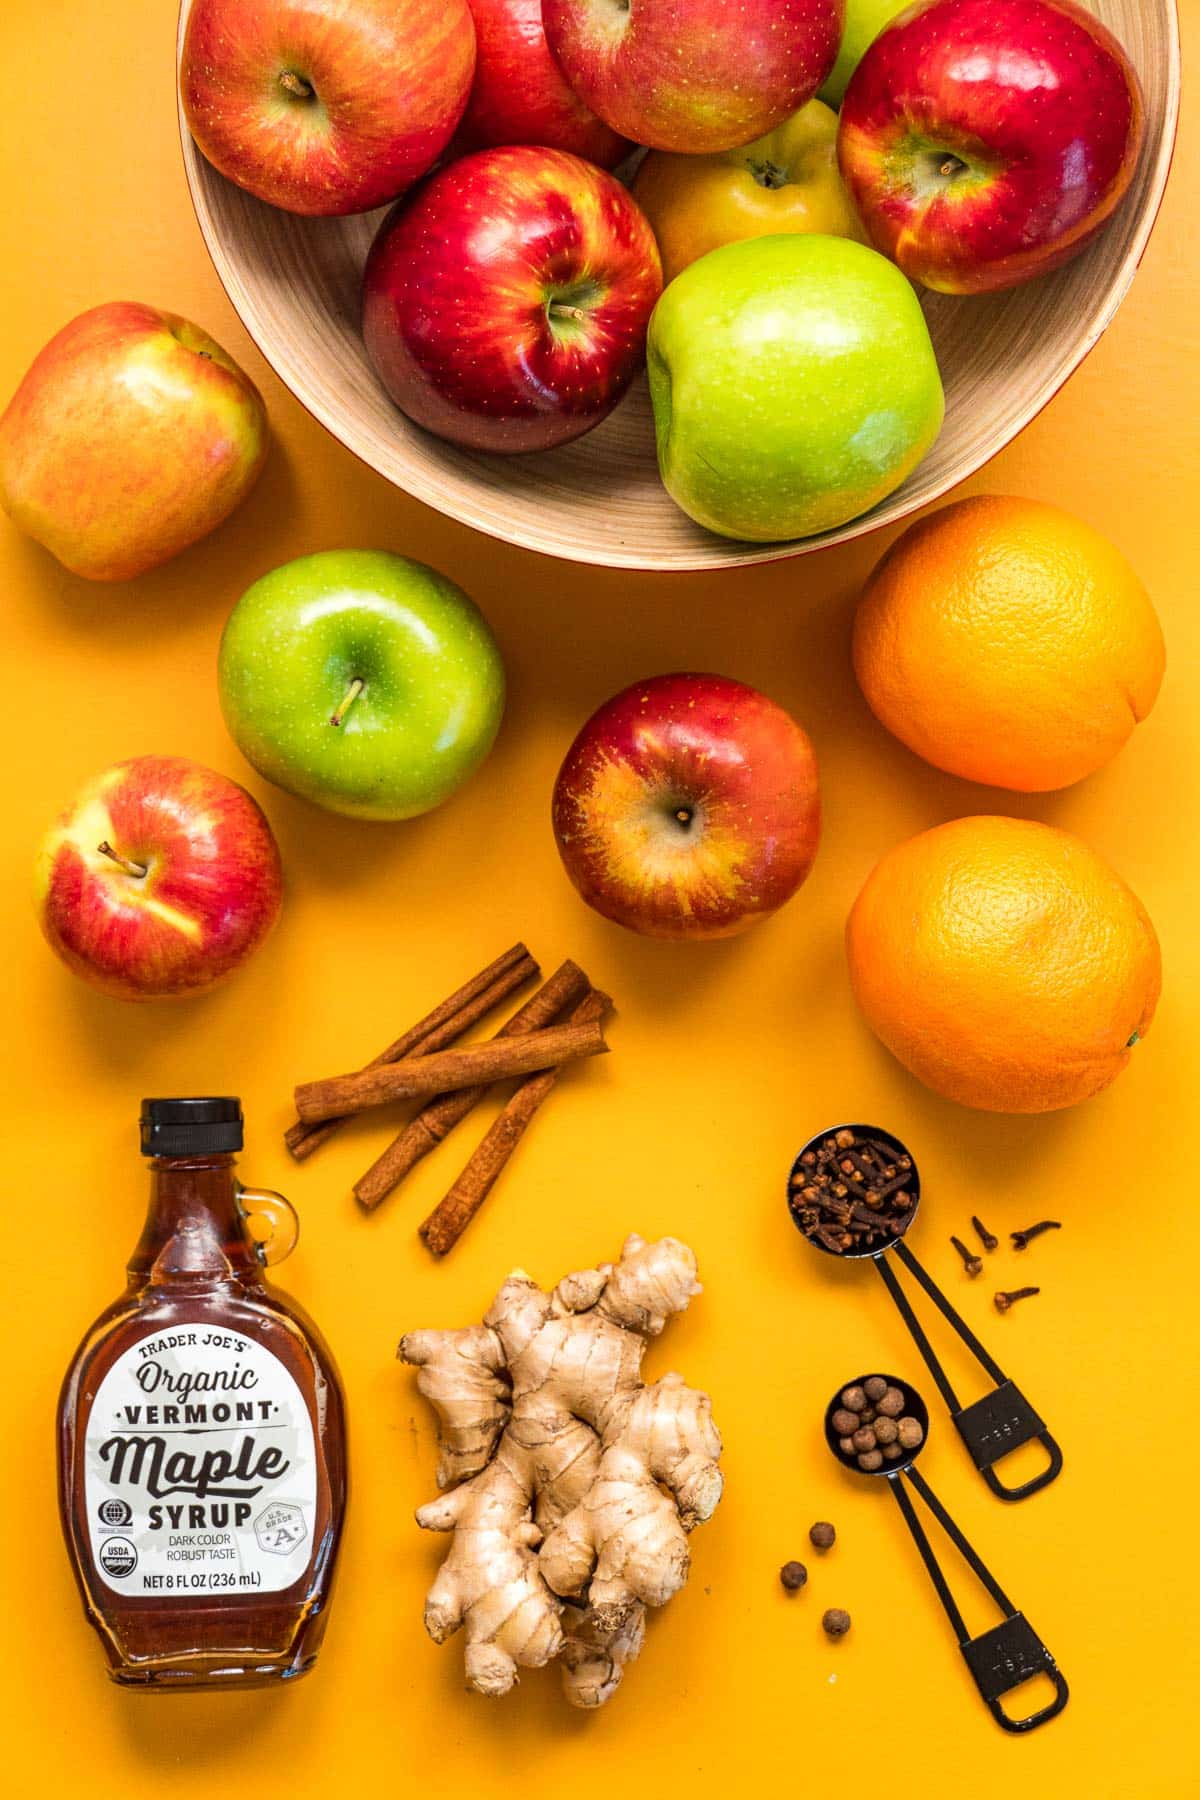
column 132, row 435
column 325, row 106
column 987, row 141
column 159, row 879
column 694, row 75
column 688, row 807
column 520, row 95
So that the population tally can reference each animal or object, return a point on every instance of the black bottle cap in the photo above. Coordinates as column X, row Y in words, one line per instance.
column 191, row 1127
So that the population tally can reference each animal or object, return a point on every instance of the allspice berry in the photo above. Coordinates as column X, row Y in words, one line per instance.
column 835, row 1623
column 793, row 1575
column 909, row 1433
column 821, row 1535
column 885, row 1430
column 854, row 1398
column 871, row 1460
column 890, row 1403
column 845, row 1423
column 875, row 1387
column 864, row 1438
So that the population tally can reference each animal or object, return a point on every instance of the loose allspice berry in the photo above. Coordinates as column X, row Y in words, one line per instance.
column 822, row 1536
column 835, row 1622
column 793, row 1576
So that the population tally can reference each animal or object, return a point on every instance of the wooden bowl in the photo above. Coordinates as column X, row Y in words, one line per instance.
column 295, row 283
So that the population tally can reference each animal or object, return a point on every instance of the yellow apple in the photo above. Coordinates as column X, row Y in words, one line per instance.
column 787, row 181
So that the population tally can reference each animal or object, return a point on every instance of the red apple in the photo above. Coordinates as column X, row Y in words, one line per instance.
column 132, row 435
column 325, row 106
column 505, row 306
column 519, row 95
column 159, row 879
column 987, row 141
column 688, row 807
column 694, row 75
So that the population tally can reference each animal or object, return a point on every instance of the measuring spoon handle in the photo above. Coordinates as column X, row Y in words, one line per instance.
column 1001, row 1420
column 1008, row 1653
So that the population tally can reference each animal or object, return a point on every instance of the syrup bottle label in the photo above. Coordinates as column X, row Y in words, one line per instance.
column 200, row 1470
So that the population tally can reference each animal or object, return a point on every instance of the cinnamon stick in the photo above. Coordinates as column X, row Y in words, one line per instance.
column 436, row 1031
column 450, row 1218
column 440, row 1115
column 474, row 1064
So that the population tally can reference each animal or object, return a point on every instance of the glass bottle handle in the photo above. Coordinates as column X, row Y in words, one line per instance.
column 263, row 1207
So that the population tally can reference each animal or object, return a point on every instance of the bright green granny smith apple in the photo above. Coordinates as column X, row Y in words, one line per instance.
column 362, row 681
column 793, row 383
column 865, row 19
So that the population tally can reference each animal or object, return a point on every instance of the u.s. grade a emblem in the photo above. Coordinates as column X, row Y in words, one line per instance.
column 280, row 1528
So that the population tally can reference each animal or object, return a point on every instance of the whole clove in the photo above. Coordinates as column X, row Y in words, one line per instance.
column 1021, row 1238
column 1002, row 1301
column 971, row 1263
column 985, row 1237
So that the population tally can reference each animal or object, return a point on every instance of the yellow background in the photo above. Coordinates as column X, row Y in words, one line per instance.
column 725, row 1057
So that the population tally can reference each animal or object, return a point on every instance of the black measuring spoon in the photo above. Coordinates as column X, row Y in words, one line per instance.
column 998, row 1422
column 1006, row 1655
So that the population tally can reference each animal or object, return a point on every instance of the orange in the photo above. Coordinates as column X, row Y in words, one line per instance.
column 1004, row 963
column 1007, row 642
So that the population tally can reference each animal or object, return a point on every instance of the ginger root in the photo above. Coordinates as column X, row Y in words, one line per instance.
column 570, row 1485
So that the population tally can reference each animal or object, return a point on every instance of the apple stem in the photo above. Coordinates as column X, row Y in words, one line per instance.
column 558, row 309
column 349, row 697
column 294, row 84
column 136, row 869
column 769, row 174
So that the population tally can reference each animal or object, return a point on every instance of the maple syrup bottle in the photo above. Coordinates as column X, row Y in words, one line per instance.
column 201, row 1433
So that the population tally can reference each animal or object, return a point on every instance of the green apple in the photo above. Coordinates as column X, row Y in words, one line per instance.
column 865, row 19
column 363, row 681
column 793, row 384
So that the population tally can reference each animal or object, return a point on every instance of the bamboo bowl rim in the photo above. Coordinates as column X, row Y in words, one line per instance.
column 462, row 484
